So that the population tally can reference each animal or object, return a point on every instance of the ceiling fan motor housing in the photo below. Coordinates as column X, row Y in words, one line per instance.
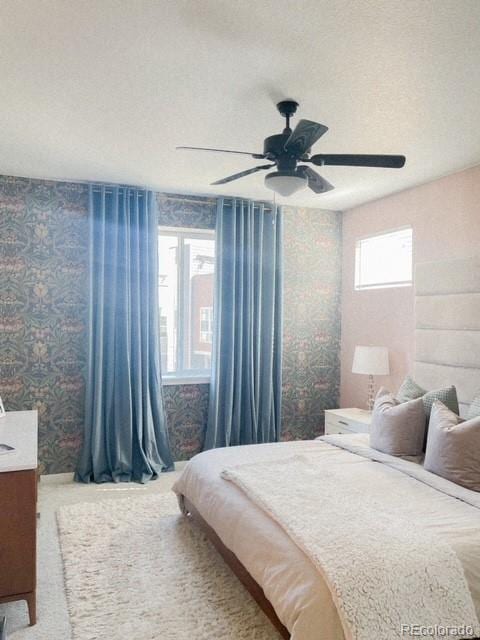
column 274, row 149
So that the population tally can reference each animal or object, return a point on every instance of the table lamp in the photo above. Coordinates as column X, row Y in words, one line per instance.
column 371, row 361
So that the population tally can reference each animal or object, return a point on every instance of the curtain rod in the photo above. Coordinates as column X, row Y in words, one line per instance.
column 159, row 194
column 191, row 200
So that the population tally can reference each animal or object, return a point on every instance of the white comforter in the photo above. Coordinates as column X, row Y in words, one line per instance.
column 290, row 580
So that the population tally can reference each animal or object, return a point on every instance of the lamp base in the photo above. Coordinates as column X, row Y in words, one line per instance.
column 371, row 393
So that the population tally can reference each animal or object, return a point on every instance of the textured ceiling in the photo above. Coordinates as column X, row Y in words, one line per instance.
column 105, row 89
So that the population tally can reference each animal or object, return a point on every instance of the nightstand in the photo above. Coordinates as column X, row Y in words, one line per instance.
column 347, row 421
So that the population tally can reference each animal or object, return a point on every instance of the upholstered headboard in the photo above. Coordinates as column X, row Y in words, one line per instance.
column 447, row 329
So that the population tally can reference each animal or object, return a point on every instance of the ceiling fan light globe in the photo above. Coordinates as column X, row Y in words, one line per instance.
column 285, row 183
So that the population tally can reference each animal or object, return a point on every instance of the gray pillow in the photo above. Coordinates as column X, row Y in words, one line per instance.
column 397, row 428
column 474, row 410
column 453, row 447
column 410, row 390
column 447, row 396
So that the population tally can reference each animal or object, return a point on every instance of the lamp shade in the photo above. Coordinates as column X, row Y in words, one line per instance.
column 371, row 361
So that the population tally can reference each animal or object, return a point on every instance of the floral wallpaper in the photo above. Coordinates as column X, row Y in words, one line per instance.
column 186, row 407
column 311, row 324
column 43, row 303
column 195, row 212
column 43, row 311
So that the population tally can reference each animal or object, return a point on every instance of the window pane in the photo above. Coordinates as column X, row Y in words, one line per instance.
column 199, row 257
column 186, row 268
column 206, row 325
column 384, row 260
column 167, row 295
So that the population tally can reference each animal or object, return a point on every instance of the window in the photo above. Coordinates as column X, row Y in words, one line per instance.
column 185, row 282
column 206, row 324
column 384, row 260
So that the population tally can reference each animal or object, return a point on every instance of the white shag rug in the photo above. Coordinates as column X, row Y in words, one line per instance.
column 136, row 569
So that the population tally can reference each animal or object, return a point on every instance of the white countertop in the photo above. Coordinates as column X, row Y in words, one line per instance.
column 19, row 429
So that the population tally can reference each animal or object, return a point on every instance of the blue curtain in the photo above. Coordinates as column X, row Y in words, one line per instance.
column 125, row 428
column 245, row 391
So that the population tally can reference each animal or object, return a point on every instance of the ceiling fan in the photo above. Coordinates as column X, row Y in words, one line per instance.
column 287, row 149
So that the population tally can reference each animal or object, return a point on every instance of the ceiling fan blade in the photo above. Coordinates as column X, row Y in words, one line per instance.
column 243, row 153
column 315, row 181
column 243, row 173
column 305, row 134
column 390, row 162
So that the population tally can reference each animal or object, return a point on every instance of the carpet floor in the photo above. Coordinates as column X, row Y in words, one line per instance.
column 55, row 491
column 136, row 569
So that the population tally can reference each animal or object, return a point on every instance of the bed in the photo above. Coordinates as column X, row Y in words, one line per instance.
column 235, row 495
column 302, row 606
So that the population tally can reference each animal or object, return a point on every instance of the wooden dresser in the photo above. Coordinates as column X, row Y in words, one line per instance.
column 18, row 509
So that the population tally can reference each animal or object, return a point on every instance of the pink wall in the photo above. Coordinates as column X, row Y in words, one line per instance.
column 445, row 216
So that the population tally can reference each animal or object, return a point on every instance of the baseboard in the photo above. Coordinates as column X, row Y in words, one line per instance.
column 62, row 478
column 56, row 478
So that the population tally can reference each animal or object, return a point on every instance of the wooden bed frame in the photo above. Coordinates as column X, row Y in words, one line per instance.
column 254, row 589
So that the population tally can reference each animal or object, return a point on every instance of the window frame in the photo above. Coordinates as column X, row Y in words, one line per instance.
column 181, row 375
column 357, row 259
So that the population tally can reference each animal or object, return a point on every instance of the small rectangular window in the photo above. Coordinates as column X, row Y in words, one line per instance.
column 185, row 281
column 384, row 260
